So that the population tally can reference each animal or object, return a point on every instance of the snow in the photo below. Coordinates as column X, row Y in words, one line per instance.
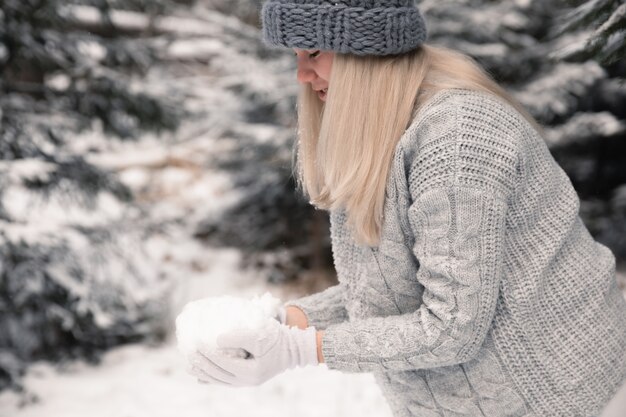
column 129, row 20
column 570, row 45
column 152, row 381
column 202, row 321
column 143, row 381
column 143, row 155
column 135, row 178
column 27, row 169
column 515, row 20
column 92, row 49
column 58, row 81
column 557, row 92
column 92, row 15
column 26, row 206
column 582, row 126
column 199, row 49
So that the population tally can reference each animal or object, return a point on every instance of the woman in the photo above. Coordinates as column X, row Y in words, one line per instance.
column 468, row 284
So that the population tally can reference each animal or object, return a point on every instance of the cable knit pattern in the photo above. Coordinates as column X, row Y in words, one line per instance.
column 486, row 296
column 361, row 27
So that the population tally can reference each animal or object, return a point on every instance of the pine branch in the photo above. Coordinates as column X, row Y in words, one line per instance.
column 582, row 128
column 556, row 95
column 588, row 14
column 606, row 43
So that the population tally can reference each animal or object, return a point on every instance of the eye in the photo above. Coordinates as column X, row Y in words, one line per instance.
column 311, row 55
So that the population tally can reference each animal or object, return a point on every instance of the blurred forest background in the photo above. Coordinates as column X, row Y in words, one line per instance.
column 136, row 135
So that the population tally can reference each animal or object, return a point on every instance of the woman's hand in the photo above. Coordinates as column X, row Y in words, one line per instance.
column 273, row 350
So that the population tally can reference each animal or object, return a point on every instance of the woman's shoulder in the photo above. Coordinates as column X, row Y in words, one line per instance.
column 464, row 112
column 463, row 136
column 467, row 118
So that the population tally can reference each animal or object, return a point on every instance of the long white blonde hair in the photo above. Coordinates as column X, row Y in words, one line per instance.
column 344, row 147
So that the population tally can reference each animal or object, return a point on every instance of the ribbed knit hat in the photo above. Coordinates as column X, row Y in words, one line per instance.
column 361, row 27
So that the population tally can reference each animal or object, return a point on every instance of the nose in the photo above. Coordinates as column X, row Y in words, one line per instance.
column 304, row 73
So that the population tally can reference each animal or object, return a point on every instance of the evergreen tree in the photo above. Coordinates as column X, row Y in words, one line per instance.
column 279, row 232
column 72, row 279
column 593, row 152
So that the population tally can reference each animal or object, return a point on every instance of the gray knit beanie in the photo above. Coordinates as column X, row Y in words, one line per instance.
column 361, row 27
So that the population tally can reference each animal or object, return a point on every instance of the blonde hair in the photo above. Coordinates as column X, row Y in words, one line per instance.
column 344, row 147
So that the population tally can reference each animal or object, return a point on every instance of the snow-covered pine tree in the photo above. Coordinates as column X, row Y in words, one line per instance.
column 600, row 27
column 72, row 278
column 276, row 228
column 595, row 150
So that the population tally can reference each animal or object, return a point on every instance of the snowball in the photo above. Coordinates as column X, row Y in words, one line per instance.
column 201, row 321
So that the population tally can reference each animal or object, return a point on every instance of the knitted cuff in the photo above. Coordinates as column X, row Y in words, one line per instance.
column 329, row 340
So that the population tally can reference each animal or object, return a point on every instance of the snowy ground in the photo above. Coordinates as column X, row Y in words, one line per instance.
column 143, row 381
column 139, row 381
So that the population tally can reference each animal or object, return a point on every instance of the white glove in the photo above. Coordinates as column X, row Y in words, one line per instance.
column 272, row 350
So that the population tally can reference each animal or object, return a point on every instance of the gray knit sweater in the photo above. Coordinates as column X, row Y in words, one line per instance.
column 486, row 296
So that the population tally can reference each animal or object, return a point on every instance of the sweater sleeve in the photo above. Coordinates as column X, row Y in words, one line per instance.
column 323, row 308
column 457, row 217
column 459, row 232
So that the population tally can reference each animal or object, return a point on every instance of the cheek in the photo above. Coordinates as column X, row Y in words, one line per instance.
column 325, row 66
column 326, row 70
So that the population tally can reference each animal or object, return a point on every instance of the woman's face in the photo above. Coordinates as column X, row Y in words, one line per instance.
column 314, row 67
